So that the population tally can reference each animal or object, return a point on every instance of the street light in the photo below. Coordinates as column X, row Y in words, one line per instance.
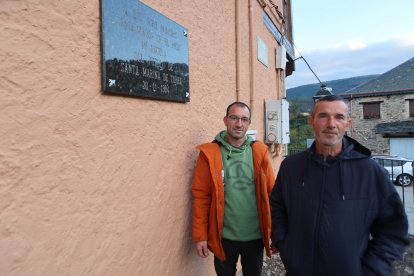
column 323, row 92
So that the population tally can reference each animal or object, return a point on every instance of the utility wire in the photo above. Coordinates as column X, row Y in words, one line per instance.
column 302, row 57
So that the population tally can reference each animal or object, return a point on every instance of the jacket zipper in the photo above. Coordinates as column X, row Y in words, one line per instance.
column 318, row 220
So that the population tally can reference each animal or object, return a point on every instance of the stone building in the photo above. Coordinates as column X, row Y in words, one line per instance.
column 382, row 112
column 99, row 183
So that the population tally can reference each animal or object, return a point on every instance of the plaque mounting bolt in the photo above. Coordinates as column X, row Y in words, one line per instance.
column 185, row 33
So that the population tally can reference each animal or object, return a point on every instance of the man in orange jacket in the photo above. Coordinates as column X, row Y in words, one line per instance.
column 232, row 182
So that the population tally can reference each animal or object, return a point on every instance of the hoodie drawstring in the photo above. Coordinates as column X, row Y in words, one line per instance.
column 229, row 153
column 306, row 168
column 341, row 180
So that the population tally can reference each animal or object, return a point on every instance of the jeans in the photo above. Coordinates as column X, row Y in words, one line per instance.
column 251, row 253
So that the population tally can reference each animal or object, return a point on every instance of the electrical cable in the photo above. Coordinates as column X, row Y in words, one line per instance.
column 301, row 57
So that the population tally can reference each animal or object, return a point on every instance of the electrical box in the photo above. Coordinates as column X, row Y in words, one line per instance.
column 277, row 121
column 281, row 57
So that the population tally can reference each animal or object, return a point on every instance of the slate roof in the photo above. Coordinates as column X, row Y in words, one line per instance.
column 395, row 128
column 399, row 80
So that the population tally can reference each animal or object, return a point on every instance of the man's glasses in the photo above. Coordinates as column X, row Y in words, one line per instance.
column 234, row 118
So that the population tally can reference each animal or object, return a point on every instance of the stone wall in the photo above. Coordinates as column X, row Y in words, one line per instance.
column 392, row 108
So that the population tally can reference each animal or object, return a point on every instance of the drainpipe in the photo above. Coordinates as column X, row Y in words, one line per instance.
column 350, row 115
column 251, row 43
column 237, row 30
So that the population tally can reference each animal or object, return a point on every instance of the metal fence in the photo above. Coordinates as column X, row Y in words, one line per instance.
column 293, row 150
column 400, row 170
column 407, row 196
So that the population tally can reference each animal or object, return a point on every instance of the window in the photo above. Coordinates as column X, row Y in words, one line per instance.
column 411, row 108
column 393, row 163
column 371, row 110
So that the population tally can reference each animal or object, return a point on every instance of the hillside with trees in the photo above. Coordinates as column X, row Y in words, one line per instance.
column 302, row 95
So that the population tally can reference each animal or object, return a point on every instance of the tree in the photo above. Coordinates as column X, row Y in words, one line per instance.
column 300, row 131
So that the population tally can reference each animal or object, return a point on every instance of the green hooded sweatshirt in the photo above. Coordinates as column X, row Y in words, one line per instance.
column 241, row 222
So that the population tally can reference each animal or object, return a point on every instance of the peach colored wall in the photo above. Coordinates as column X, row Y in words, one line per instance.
column 92, row 184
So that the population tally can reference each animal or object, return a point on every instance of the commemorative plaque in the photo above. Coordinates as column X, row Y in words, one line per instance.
column 144, row 53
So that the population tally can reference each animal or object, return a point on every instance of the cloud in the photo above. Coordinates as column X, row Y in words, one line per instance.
column 352, row 59
column 406, row 40
column 350, row 45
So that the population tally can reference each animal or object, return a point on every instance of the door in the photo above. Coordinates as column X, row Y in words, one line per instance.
column 403, row 147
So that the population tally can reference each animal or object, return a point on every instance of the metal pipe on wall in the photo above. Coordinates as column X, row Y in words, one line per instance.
column 350, row 115
column 251, row 60
column 237, row 31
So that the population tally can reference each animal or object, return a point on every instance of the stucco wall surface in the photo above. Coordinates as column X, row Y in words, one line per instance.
column 93, row 184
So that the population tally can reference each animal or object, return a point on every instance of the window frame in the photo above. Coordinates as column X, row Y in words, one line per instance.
column 373, row 105
column 410, row 108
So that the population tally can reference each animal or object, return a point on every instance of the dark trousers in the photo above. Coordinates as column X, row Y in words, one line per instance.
column 251, row 253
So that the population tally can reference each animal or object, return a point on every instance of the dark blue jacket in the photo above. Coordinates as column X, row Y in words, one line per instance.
column 337, row 215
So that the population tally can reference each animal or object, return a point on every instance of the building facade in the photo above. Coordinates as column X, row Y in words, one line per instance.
column 93, row 183
column 382, row 112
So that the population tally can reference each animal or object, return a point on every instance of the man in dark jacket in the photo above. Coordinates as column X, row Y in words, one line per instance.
column 334, row 209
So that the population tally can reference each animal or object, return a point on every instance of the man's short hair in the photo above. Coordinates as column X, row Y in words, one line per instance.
column 330, row 98
column 239, row 104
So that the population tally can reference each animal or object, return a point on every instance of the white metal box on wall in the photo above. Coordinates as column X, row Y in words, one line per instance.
column 281, row 57
column 277, row 121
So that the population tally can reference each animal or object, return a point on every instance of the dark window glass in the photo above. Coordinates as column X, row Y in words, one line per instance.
column 411, row 108
column 371, row 110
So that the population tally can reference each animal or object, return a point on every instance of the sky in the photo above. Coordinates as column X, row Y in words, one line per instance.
column 343, row 39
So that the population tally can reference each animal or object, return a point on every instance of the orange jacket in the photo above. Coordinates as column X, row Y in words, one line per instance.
column 208, row 193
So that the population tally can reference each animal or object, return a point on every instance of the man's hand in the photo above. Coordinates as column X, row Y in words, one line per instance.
column 273, row 249
column 202, row 249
